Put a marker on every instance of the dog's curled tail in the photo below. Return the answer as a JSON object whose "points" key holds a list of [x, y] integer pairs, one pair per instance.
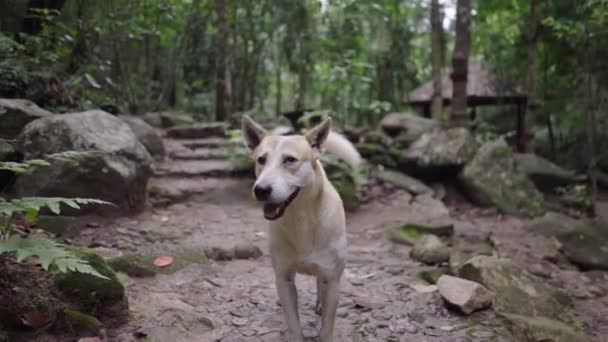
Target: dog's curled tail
{"points": [[340, 146]]}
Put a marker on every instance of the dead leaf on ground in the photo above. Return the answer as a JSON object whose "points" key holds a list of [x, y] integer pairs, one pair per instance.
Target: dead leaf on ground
{"points": [[163, 261], [36, 319], [90, 339]]}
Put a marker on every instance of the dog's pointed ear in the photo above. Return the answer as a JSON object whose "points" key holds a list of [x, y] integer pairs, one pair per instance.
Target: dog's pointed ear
{"points": [[317, 137], [252, 132]]}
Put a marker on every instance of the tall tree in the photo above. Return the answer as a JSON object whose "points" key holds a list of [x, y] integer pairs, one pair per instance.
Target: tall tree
{"points": [[527, 137], [460, 63], [223, 83], [437, 59]]}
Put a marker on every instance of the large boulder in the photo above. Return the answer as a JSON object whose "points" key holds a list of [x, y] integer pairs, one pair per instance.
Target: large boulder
{"points": [[440, 150], [114, 166], [147, 135], [403, 181], [530, 309], [404, 123], [583, 242], [537, 329], [198, 131], [16, 114], [517, 292], [545, 174], [492, 179]]}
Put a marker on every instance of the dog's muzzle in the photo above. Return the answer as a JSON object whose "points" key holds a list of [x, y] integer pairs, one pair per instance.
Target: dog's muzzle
{"points": [[273, 211]]}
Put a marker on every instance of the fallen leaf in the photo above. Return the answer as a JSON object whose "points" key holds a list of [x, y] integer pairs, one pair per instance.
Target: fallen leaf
{"points": [[90, 339], [36, 319], [424, 288], [163, 261]]}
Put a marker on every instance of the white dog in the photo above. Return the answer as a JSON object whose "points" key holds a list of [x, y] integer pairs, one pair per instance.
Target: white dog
{"points": [[307, 228]]}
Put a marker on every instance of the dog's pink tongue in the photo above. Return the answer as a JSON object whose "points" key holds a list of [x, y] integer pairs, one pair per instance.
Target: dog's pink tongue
{"points": [[271, 210]]}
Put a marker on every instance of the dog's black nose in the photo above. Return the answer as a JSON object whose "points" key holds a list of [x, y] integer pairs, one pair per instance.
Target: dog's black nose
{"points": [[262, 193]]}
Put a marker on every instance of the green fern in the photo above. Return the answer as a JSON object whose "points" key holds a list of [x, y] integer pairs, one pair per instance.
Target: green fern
{"points": [[49, 253], [23, 167], [72, 156], [32, 164], [32, 205]]}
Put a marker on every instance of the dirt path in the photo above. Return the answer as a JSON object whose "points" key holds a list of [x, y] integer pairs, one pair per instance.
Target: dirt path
{"points": [[382, 299]]}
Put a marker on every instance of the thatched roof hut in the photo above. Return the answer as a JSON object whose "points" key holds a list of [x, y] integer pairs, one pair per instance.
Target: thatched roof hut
{"points": [[484, 87]]}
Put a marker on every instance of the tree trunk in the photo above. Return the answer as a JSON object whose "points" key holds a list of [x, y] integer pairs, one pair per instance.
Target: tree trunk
{"points": [[278, 105], [223, 82], [460, 63], [527, 142], [436, 58]]}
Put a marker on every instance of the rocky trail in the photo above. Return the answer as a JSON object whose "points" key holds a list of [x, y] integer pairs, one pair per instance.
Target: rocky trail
{"points": [[220, 286], [424, 264]]}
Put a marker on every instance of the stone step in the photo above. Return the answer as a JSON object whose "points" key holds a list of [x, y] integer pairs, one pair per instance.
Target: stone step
{"points": [[168, 190], [177, 144], [194, 168], [198, 131], [201, 154]]}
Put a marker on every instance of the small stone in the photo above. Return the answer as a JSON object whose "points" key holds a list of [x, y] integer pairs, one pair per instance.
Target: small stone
{"points": [[403, 326], [239, 322], [219, 254], [430, 250], [342, 313], [467, 295], [247, 251]]}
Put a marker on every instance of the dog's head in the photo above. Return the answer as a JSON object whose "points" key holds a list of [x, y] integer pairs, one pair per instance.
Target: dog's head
{"points": [[283, 164]]}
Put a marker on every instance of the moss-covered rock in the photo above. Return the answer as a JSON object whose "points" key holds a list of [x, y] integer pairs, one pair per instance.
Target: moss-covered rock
{"points": [[583, 242], [517, 292], [88, 288], [545, 174], [403, 181], [534, 329], [491, 179], [410, 123], [443, 149], [430, 250], [146, 134], [141, 263], [344, 179], [15, 114], [378, 154]]}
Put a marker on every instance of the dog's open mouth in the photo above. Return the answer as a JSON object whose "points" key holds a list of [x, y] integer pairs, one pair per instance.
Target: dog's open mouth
{"points": [[273, 211]]}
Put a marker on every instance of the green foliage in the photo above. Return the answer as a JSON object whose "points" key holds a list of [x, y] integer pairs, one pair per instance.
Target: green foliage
{"points": [[48, 253]]}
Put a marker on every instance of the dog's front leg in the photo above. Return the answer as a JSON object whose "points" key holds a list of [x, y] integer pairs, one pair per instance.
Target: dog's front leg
{"points": [[288, 296], [329, 300]]}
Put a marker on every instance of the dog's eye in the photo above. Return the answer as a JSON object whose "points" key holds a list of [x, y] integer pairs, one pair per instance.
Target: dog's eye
{"points": [[261, 160], [289, 160]]}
